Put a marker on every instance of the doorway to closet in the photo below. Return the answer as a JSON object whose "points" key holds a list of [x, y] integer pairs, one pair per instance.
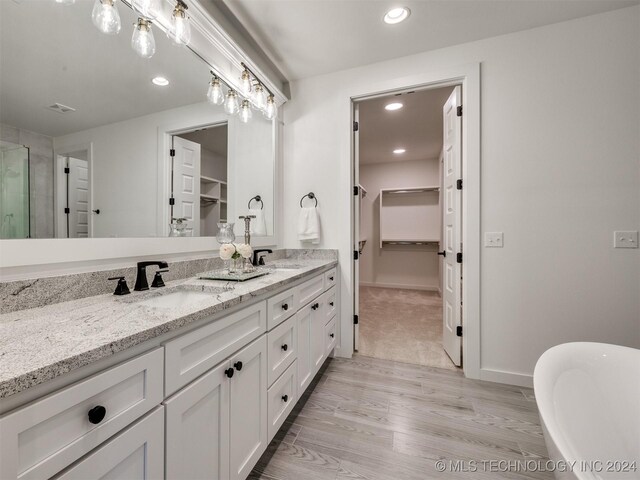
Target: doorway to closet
{"points": [[407, 149]]}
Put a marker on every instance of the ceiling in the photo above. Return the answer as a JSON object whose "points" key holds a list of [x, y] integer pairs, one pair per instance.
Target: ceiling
{"points": [[304, 38], [52, 53], [416, 127]]}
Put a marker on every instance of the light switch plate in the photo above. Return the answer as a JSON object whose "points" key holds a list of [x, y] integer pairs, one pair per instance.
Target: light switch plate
{"points": [[625, 239], [493, 239]]}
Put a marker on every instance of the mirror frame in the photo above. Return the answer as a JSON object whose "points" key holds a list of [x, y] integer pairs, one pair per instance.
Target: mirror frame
{"points": [[29, 258]]}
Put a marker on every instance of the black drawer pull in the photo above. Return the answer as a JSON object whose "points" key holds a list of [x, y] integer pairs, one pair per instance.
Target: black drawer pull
{"points": [[97, 414], [285, 398], [238, 366], [285, 347], [315, 306], [285, 307], [229, 372], [332, 335], [331, 303]]}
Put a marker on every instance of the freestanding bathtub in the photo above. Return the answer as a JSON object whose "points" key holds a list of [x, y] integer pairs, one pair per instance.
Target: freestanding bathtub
{"points": [[588, 395]]}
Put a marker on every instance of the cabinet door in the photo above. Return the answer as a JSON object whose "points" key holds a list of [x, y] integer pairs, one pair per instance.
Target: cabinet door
{"points": [[304, 318], [317, 346], [198, 428], [135, 454], [248, 408]]}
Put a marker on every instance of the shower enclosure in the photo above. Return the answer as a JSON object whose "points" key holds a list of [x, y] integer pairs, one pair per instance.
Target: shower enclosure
{"points": [[14, 191]]}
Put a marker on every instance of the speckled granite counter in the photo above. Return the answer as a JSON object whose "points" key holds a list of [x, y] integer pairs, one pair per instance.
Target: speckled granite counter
{"points": [[39, 344]]}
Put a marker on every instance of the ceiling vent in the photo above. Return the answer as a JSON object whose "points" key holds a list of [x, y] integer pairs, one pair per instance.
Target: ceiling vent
{"points": [[58, 107]]}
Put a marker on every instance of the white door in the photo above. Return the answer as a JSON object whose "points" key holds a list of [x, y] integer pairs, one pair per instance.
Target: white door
{"points": [[452, 226], [135, 454], [198, 428], [356, 224], [304, 318], [248, 406], [186, 182], [78, 198]]}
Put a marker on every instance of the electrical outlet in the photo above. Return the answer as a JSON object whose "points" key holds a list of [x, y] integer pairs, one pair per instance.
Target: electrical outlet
{"points": [[625, 239], [493, 239]]}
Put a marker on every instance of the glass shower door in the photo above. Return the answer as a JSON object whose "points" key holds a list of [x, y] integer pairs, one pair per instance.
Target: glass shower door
{"points": [[14, 191]]}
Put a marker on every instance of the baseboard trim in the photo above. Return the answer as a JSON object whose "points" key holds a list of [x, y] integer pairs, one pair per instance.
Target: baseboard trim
{"points": [[400, 286], [510, 378]]}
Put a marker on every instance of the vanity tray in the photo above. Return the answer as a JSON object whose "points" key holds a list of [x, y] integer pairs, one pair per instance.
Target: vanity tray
{"points": [[232, 277]]}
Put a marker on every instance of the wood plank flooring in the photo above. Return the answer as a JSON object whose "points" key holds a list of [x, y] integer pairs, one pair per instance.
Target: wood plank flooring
{"points": [[366, 418]]}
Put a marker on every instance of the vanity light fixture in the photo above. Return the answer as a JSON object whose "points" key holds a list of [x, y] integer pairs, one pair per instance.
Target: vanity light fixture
{"points": [[398, 151], [179, 31], [215, 95], [259, 97], [245, 112], [393, 106], [160, 81], [231, 105], [245, 80], [271, 110], [105, 17], [149, 9], [142, 40], [397, 15]]}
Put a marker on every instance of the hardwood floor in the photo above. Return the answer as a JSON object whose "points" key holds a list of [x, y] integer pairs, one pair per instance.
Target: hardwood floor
{"points": [[367, 418]]}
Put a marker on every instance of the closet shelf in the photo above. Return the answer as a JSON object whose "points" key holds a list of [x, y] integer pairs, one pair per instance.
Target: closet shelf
{"points": [[399, 191], [404, 241], [205, 179], [209, 198]]}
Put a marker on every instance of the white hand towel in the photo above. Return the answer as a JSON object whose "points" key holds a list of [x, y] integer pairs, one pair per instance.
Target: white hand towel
{"points": [[258, 225], [309, 225]]}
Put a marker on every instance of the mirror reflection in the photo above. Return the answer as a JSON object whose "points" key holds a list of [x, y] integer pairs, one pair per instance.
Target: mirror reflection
{"points": [[98, 141]]}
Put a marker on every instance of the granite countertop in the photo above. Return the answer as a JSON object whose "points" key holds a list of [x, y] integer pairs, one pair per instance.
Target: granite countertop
{"points": [[39, 344]]}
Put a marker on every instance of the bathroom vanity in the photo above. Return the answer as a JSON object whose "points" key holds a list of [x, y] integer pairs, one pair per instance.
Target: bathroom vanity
{"points": [[137, 387]]}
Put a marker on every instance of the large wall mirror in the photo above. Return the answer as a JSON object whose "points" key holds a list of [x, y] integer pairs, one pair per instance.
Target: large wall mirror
{"points": [[97, 142]]}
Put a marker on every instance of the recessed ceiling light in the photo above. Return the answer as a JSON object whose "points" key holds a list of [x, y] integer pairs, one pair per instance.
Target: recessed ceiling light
{"points": [[398, 151], [160, 81], [397, 15], [393, 106]]}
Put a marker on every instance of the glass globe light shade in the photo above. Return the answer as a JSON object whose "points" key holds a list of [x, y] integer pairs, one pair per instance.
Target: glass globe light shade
{"points": [[260, 97], [142, 40], [215, 95], [271, 110], [105, 17], [179, 31], [231, 105], [245, 112]]}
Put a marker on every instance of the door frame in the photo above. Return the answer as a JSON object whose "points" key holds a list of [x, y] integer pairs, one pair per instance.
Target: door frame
{"points": [[468, 77], [60, 186]]}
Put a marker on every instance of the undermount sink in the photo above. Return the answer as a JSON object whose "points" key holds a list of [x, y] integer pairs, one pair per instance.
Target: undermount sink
{"points": [[176, 297]]}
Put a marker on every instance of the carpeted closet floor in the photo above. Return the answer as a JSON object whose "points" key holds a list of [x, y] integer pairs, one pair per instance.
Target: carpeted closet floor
{"points": [[402, 325]]}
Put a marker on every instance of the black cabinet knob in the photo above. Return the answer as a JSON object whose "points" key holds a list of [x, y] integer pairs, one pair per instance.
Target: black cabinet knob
{"points": [[331, 303], [237, 366], [332, 335], [229, 372], [315, 306], [331, 278], [285, 307], [285, 347], [97, 414], [285, 398]]}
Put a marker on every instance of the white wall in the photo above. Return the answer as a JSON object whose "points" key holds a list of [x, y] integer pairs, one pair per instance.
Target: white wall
{"points": [[415, 267], [560, 172]]}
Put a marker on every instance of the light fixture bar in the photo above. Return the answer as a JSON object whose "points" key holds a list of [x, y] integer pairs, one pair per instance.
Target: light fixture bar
{"points": [[244, 66]]}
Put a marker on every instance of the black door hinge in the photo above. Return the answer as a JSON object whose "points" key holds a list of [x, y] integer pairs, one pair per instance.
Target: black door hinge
{"points": [[67, 210], [172, 201], [356, 190], [459, 111], [356, 126], [459, 330], [172, 152], [459, 257], [355, 320], [459, 184], [67, 170], [356, 255]]}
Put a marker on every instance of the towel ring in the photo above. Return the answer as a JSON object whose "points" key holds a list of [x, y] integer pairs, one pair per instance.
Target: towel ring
{"points": [[257, 198], [312, 196]]}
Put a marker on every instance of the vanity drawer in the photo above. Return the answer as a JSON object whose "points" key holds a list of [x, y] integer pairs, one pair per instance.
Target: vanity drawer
{"points": [[310, 289], [331, 303], [282, 348], [281, 306], [330, 278], [281, 398], [41, 439], [189, 356], [331, 335]]}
